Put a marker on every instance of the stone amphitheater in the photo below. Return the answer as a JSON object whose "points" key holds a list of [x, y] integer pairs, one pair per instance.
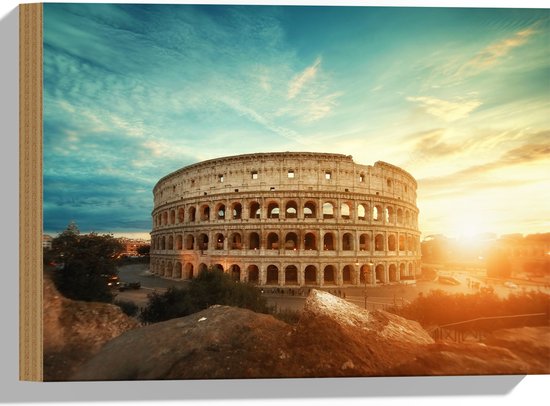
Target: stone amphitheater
{"points": [[287, 219]]}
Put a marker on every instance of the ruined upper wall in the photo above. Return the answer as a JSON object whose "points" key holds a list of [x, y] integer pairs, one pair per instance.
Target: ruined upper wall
{"points": [[285, 171]]}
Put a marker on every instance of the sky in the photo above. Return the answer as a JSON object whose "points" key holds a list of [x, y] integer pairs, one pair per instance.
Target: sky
{"points": [[458, 97]]}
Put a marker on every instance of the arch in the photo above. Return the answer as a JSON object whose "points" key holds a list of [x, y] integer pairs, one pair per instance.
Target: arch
{"points": [[190, 242], [345, 211], [235, 272], [181, 215], [328, 242], [253, 274], [218, 267], [310, 275], [237, 211], [163, 242], [203, 242], [364, 242], [202, 267], [411, 270], [272, 276], [365, 272], [236, 241], [399, 216], [291, 210], [291, 241], [409, 243], [377, 213], [310, 211], [188, 270], [179, 242], [273, 210], [380, 274], [402, 270], [401, 242], [310, 242], [391, 242], [379, 242], [164, 218], [272, 241], [205, 212], [291, 275], [192, 214], [254, 241], [389, 215], [254, 210], [329, 275], [407, 218], [172, 217], [328, 210], [220, 211], [170, 243], [168, 269], [347, 242], [347, 275], [361, 212], [178, 271], [219, 241], [392, 273]]}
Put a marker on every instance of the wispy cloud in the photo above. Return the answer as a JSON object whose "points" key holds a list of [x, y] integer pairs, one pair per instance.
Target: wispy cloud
{"points": [[303, 78], [445, 109]]}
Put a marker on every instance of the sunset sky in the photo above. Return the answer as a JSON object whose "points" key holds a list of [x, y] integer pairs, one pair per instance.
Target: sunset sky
{"points": [[460, 98]]}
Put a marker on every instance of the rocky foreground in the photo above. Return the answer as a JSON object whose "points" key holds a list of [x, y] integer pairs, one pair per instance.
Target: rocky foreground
{"points": [[332, 338]]}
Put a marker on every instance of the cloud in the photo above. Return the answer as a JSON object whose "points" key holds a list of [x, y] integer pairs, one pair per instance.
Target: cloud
{"points": [[300, 80], [446, 110]]}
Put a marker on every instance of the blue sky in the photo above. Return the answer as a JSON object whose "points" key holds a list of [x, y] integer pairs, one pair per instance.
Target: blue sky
{"points": [[460, 98]]}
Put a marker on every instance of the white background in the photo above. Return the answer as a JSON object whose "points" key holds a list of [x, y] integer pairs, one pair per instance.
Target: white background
{"points": [[501, 390]]}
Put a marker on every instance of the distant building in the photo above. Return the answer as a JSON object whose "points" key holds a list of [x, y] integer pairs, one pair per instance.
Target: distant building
{"points": [[131, 246], [47, 242], [529, 255]]}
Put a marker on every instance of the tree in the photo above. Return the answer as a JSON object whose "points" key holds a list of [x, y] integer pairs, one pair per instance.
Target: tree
{"points": [[88, 262], [144, 250]]}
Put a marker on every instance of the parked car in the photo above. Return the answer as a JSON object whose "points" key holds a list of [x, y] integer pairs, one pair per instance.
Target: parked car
{"points": [[129, 285]]}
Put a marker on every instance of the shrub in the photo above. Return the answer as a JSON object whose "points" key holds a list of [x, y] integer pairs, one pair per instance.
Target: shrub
{"points": [[129, 308]]}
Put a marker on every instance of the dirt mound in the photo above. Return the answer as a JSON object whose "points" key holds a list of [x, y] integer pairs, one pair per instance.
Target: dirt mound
{"points": [[74, 331]]}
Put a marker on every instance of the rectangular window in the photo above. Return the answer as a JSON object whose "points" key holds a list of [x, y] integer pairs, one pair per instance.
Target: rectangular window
{"points": [[361, 178], [220, 178], [254, 174], [328, 175], [291, 174]]}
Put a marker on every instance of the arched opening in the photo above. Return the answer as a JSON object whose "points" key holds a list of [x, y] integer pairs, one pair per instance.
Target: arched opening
{"points": [[273, 210], [178, 271], [328, 242], [236, 241], [407, 218], [347, 274], [218, 267], [291, 275], [391, 242], [379, 242], [253, 274], [364, 242], [168, 271], [409, 243], [181, 215], [170, 243], [347, 242], [237, 211], [345, 212], [220, 212], [291, 241], [203, 242], [192, 214], [402, 271], [205, 213], [310, 242], [329, 275], [361, 212], [219, 239], [164, 218], [189, 242], [179, 242], [411, 270], [254, 210], [254, 241], [272, 241], [291, 210], [272, 275], [380, 274], [377, 213], [365, 273], [235, 272], [163, 243], [188, 271], [392, 271], [401, 242], [390, 218], [309, 210], [328, 210], [202, 267], [310, 275], [399, 216], [172, 217]]}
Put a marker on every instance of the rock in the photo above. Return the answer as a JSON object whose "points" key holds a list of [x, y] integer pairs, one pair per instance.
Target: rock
{"points": [[74, 331]]}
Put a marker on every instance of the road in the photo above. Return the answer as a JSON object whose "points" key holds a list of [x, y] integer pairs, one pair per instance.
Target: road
{"points": [[378, 297]]}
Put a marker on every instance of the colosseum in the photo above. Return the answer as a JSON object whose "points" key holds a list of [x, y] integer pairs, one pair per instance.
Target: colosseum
{"points": [[287, 219]]}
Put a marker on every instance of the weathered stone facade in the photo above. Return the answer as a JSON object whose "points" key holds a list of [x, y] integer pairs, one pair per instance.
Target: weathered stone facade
{"points": [[287, 219]]}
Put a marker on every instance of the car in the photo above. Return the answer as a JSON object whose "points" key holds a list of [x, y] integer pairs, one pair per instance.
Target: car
{"points": [[129, 285]]}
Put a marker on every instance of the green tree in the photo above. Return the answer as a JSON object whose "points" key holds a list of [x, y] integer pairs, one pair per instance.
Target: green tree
{"points": [[88, 262]]}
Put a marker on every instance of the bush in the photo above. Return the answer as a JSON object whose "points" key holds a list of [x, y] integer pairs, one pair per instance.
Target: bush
{"points": [[129, 308], [209, 288]]}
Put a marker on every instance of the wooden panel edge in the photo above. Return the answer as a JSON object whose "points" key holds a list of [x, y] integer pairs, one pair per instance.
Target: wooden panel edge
{"points": [[30, 193]]}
